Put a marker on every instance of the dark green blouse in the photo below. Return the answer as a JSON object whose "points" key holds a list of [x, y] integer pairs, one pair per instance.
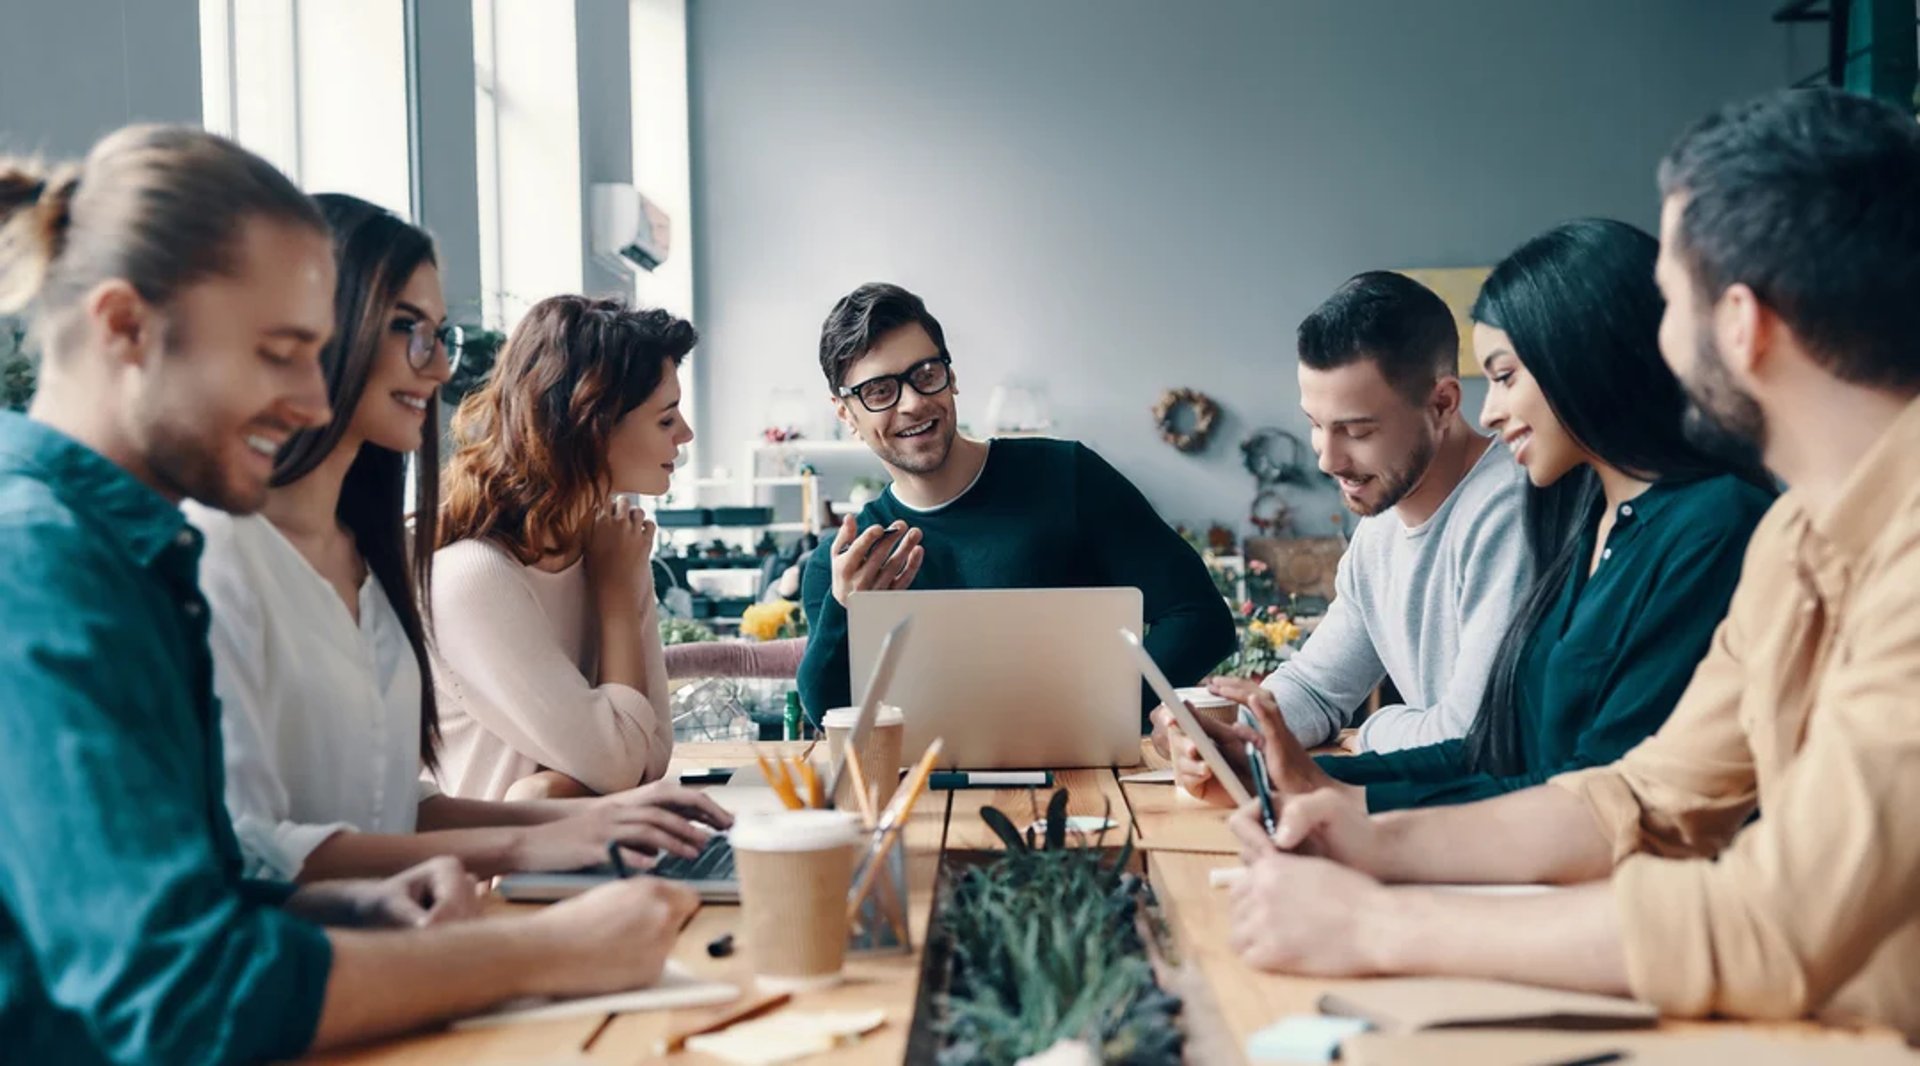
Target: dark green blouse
{"points": [[1612, 655]]}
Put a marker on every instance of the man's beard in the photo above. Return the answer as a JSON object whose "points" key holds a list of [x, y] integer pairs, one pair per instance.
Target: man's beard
{"points": [[917, 462], [1396, 481], [1720, 419], [184, 455], [194, 472]]}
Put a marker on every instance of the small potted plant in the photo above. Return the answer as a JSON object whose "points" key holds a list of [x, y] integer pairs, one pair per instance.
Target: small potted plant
{"points": [[1268, 632], [17, 376], [1046, 947]]}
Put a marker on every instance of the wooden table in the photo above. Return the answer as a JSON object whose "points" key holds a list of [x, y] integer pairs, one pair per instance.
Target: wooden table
{"points": [[1226, 1001]]}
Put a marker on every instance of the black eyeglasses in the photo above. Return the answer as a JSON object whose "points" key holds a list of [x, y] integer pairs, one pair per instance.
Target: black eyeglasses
{"points": [[421, 338], [928, 377]]}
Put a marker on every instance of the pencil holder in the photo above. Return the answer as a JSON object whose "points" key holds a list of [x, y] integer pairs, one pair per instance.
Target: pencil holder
{"points": [[881, 927]]}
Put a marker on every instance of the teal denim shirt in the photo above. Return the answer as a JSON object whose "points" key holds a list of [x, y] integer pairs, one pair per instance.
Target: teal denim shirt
{"points": [[127, 933]]}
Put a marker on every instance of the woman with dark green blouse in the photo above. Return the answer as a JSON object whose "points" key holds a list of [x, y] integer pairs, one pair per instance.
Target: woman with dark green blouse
{"points": [[1640, 533]]}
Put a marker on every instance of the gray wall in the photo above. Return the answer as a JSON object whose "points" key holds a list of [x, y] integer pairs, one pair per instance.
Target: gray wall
{"points": [[70, 70], [1117, 196]]}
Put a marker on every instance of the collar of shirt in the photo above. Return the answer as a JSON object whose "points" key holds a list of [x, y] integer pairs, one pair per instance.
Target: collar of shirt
{"points": [[148, 526], [1877, 488]]}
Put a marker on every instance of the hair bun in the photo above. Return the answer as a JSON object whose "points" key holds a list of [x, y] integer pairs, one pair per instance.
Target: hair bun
{"points": [[34, 212]]}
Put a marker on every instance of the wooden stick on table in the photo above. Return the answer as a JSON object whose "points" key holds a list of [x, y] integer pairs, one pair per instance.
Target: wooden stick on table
{"points": [[860, 793], [678, 1036]]}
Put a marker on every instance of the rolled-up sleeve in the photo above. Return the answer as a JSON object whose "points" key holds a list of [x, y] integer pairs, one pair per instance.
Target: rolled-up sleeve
{"points": [[1802, 899], [136, 926]]}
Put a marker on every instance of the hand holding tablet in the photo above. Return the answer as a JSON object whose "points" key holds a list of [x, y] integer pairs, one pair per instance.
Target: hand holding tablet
{"points": [[1183, 714]]}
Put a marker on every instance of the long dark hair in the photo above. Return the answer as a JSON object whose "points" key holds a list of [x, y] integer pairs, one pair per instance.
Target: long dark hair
{"points": [[376, 253], [531, 466], [1581, 308]]}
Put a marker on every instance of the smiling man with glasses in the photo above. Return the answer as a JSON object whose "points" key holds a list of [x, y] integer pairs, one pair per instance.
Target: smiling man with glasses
{"points": [[964, 513]]}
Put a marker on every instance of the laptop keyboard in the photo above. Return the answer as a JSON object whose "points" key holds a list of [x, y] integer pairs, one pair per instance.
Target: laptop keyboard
{"points": [[714, 863]]}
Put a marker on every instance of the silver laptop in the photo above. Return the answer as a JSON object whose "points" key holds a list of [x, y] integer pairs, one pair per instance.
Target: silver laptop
{"points": [[1012, 678]]}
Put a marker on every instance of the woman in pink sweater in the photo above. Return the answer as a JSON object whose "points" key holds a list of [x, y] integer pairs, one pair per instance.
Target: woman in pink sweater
{"points": [[549, 668]]}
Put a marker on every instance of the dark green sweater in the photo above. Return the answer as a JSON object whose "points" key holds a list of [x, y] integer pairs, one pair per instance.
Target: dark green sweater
{"points": [[1043, 514], [1612, 655]]}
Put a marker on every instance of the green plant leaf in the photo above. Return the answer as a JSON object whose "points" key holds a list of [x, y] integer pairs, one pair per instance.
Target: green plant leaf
{"points": [[1057, 820], [1002, 827]]}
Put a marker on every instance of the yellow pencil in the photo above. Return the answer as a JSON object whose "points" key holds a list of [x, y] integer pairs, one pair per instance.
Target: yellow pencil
{"points": [[778, 782], [862, 797], [812, 782]]}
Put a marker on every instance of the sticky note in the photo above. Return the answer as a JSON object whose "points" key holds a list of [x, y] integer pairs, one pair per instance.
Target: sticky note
{"points": [[1302, 1038]]}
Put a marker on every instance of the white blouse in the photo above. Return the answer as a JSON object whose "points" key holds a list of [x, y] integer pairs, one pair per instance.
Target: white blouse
{"points": [[320, 715]]}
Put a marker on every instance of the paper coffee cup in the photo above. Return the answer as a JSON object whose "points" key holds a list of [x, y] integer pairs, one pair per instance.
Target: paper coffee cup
{"points": [[795, 869], [879, 757], [1207, 705]]}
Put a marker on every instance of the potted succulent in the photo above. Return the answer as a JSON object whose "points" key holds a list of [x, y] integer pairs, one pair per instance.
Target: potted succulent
{"points": [[1044, 945], [17, 376]]}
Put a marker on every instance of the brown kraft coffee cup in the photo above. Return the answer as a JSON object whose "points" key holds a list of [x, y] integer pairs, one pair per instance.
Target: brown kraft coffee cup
{"points": [[879, 757], [795, 868]]}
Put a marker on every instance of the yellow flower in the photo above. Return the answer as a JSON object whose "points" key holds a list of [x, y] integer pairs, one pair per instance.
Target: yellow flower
{"points": [[765, 621], [1278, 632]]}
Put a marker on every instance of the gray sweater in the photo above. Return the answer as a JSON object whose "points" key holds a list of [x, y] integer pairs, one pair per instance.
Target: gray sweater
{"points": [[1426, 606]]}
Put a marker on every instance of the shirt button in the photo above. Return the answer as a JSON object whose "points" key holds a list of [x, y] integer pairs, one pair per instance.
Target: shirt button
{"points": [[1606, 553], [1626, 510], [183, 538], [193, 609]]}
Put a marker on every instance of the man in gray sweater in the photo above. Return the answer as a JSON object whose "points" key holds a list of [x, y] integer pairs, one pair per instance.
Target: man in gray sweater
{"points": [[1439, 560]]}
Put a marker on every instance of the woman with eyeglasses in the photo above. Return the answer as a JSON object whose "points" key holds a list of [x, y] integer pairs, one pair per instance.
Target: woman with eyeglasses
{"points": [[320, 645], [550, 661]]}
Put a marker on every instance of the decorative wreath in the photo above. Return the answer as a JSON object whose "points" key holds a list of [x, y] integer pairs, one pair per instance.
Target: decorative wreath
{"points": [[1269, 513], [1203, 411], [1274, 457]]}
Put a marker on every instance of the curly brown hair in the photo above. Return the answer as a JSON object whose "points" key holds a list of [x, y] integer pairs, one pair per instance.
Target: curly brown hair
{"points": [[532, 468]]}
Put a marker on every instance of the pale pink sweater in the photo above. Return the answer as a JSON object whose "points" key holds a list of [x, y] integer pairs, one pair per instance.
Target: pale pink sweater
{"points": [[516, 668]]}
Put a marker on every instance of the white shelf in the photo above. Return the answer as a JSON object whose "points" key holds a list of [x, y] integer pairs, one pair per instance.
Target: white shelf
{"points": [[776, 527], [805, 444], [731, 482]]}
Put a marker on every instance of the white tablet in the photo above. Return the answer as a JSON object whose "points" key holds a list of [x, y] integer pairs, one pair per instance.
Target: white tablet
{"points": [[1222, 769]]}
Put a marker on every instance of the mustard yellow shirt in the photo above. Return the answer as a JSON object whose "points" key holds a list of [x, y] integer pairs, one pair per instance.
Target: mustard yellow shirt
{"points": [[1806, 707]]}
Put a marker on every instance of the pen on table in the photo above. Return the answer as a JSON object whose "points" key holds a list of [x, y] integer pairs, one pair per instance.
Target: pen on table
{"points": [[718, 775], [1262, 788], [1594, 1060], [951, 779]]}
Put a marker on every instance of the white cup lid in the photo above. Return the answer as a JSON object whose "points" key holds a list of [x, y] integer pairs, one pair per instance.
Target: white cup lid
{"points": [[794, 831], [844, 717], [1200, 697]]}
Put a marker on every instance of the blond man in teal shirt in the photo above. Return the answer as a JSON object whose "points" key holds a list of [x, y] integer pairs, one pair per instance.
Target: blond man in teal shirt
{"points": [[182, 288]]}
